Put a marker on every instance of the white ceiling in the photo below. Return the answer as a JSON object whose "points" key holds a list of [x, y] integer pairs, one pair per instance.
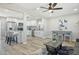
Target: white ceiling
{"points": [[30, 9]]}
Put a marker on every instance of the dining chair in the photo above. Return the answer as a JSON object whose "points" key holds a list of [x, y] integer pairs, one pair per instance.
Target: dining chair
{"points": [[51, 50]]}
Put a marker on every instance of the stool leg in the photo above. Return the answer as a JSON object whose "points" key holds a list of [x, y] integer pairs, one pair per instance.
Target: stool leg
{"points": [[16, 40], [7, 40], [10, 40]]}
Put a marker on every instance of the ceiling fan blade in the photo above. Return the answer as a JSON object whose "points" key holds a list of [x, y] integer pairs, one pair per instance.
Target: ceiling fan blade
{"points": [[44, 7], [57, 8], [45, 11], [50, 4], [54, 4]]}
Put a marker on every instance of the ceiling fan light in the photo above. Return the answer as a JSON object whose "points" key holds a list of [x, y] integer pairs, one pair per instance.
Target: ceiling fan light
{"points": [[50, 11]]}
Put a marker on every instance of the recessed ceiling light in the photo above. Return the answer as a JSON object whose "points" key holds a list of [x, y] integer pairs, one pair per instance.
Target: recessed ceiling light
{"points": [[37, 8], [75, 9]]}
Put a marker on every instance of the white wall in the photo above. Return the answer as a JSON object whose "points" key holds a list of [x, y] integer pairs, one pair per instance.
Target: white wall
{"points": [[0, 35], [73, 25]]}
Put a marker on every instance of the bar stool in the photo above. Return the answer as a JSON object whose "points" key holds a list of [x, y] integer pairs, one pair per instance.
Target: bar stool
{"points": [[9, 37]]}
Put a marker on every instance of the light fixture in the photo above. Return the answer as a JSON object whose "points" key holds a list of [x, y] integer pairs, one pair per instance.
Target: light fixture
{"points": [[75, 9], [37, 8], [50, 11]]}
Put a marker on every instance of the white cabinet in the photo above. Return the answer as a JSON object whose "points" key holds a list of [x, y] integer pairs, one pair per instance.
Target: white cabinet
{"points": [[39, 34], [29, 33], [64, 35]]}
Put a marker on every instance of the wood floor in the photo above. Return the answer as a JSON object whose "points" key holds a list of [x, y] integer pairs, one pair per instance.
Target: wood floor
{"points": [[34, 46]]}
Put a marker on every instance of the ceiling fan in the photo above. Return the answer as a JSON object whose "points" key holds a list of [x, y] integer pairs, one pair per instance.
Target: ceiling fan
{"points": [[51, 7]]}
